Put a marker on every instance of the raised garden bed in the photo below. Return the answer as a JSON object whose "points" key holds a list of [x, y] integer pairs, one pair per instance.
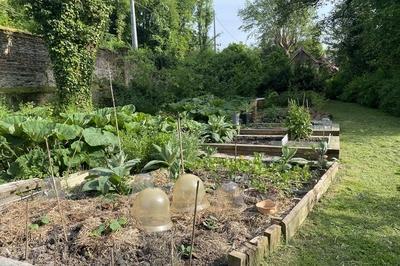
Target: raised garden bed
{"points": [[276, 140], [279, 129], [306, 152], [257, 249], [223, 228]]}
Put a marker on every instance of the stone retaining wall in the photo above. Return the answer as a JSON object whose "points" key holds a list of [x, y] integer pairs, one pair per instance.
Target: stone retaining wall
{"points": [[26, 71]]}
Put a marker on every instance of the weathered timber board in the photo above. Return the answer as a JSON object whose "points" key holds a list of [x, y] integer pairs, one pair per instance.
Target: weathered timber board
{"points": [[251, 252], [271, 150], [334, 131], [14, 188], [292, 222]]}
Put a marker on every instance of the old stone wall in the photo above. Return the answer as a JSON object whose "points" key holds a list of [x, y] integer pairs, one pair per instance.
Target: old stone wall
{"points": [[26, 72]]}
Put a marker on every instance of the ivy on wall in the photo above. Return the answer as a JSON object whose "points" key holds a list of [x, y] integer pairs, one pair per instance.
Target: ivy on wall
{"points": [[72, 30]]}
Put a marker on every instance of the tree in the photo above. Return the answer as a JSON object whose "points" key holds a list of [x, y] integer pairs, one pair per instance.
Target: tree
{"points": [[264, 19], [366, 37], [203, 17], [14, 14], [166, 27], [72, 30]]}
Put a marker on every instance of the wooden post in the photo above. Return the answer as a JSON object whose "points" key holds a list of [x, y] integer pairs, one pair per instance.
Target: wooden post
{"points": [[194, 223]]}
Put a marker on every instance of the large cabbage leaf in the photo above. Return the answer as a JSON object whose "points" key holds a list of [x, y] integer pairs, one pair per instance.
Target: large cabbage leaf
{"points": [[38, 130], [13, 124], [97, 137], [79, 119], [67, 132]]}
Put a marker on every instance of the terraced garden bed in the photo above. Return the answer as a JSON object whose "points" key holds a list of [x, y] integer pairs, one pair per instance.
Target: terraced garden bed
{"points": [[223, 228]]}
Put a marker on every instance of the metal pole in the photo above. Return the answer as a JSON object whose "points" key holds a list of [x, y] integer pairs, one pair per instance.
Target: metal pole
{"points": [[133, 26], [215, 34]]}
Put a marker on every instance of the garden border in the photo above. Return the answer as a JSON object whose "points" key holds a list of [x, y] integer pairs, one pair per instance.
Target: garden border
{"points": [[271, 150], [253, 252], [334, 131], [19, 190]]}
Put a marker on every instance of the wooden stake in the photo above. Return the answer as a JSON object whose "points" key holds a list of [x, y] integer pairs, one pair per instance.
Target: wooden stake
{"points": [[115, 109], [194, 224], [112, 255], [172, 251], [26, 228], [56, 191], [181, 145]]}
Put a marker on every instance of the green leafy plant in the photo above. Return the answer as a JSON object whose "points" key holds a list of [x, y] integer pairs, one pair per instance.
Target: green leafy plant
{"points": [[255, 173], [298, 121], [109, 227], [287, 154], [211, 223], [218, 130], [113, 178], [42, 221], [184, 250], [167, 157], [320, 150]]}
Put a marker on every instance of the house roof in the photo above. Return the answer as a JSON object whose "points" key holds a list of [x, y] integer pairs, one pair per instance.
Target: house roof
{"points": [[322, 61]]}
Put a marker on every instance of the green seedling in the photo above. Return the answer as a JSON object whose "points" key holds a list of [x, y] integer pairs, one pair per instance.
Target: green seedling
{"points": [[112, 226], [184, 250], [211, 223], [42, 221]]}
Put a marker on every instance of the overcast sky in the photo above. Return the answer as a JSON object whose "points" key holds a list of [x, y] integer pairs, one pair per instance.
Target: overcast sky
{"points": [[228, 21]]}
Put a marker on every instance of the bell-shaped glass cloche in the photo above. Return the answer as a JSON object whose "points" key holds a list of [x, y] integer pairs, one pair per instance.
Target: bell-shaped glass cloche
{"points": [[141, 182], [184, 195], [151, 210], [232, 194]]}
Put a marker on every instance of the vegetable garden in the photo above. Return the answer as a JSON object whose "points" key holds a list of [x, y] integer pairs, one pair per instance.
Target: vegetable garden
{"points": [[100, 168], [180, 152]]}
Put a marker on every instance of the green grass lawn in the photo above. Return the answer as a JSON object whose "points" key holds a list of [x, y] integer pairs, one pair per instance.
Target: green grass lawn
{"points": [[358, 221]]}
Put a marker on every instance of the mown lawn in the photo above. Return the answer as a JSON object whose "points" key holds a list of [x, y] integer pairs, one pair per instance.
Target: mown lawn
{"points": [[358, 220]]}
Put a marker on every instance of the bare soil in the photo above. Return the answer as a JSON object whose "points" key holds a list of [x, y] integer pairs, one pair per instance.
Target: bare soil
{"points": [[130, 245]]}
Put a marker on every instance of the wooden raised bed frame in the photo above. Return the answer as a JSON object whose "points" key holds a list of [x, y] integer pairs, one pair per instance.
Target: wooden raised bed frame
{"points": [[335, 131], [251, 253], [271, 150], [257, 249]]}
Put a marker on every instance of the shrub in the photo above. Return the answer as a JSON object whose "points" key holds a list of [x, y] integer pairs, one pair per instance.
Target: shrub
{"points": [[298, 121], [274, 114], [276, 73], [309, 98], [389, 95]]}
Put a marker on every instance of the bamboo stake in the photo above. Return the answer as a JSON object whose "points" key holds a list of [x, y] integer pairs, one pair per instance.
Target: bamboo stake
{"points": [[181, 145], [112, 255], [115, 109], [194, 224], [26, 228], [172, 250], [56, 191]]}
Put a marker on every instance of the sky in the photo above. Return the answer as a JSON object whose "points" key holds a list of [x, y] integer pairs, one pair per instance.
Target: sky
{"points": [[228, 22]]}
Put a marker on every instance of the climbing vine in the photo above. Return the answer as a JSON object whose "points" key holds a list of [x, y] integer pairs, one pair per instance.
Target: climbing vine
{"points": [[72, 30]]}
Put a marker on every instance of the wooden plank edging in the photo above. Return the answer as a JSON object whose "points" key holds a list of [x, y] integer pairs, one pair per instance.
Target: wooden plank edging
{"points": [[21, 186], [275, 150], [254, 251], [10, 262], [292, 221]]}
